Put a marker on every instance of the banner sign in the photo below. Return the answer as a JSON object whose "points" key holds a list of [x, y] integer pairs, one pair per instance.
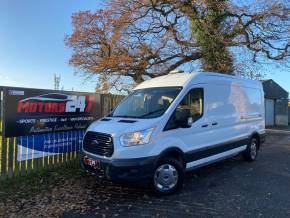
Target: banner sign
{"points": [[36, 111], [30, 147]]}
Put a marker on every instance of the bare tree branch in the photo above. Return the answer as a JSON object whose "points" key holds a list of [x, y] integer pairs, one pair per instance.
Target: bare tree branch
{"points": [[131, 40]]}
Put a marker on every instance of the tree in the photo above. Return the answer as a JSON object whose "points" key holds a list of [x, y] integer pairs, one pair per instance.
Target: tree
{"points": [[129, 41], [209, 33]]}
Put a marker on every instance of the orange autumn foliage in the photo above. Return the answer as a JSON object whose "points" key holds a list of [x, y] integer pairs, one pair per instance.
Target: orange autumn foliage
{"points": [[129, 41]]}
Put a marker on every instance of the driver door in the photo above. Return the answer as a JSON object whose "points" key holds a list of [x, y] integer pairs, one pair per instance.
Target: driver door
{"points": [[198, 135]]}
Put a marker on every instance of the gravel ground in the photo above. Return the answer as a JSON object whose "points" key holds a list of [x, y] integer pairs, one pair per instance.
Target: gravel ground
{"points": [[231, 188]]}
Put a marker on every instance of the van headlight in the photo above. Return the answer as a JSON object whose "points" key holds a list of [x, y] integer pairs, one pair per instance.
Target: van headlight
{"points": [[136, 138]]}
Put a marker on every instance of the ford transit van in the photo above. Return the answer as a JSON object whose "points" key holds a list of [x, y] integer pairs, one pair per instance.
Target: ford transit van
{"points": [[175, 123]]}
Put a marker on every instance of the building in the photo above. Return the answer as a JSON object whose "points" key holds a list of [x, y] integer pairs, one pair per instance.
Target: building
{"points": [[276, 104]]}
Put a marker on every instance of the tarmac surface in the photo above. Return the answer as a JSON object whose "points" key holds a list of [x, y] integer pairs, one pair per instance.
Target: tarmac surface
{"points": [[231, 188]]}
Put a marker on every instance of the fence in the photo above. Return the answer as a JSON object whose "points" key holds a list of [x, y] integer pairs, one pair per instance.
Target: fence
{"points": [[10, 166]]}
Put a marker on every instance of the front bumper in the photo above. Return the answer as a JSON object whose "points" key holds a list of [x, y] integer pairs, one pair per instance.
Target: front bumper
{"points": [[121, 170]]}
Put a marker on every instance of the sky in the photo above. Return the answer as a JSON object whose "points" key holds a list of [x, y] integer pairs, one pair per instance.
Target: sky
{"points": [[32, 45]]}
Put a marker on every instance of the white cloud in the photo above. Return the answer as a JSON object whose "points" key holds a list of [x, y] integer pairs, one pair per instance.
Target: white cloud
{"points": [[7, 81]]}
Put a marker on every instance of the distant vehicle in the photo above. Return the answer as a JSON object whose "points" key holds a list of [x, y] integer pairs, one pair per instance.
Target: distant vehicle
{"points": [[53, 97], [173, 124]]}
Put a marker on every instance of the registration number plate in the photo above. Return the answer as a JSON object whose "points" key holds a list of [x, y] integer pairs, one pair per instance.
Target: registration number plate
{"points": [[93, 163]]}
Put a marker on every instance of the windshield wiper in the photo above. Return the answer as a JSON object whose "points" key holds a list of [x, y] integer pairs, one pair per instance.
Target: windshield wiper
{"points": [[142, 116], [152, 112]]}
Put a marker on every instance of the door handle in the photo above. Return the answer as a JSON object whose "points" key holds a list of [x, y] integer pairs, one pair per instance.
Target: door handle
{"points": [[214, 123], [204, 125]]}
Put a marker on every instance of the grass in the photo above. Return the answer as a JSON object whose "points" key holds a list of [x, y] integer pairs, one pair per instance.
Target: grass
{"points": [[24, 187]]}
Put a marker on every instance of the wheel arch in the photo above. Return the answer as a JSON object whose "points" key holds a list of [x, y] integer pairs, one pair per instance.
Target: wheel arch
{"points": [[173, 152], [257, 136]]}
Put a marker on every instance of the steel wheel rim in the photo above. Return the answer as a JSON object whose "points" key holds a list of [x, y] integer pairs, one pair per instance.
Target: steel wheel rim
{"points": [[253, 151], [165, 177]]}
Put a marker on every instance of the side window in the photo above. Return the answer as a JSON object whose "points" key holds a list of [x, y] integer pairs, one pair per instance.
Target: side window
{"points": [[192, 101]]}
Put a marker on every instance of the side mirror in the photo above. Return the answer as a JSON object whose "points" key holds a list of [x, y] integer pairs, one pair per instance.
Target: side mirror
{"points": [[183, 118]]}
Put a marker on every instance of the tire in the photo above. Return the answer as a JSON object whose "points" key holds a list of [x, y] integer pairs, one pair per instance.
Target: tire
{"points": [[168, 176], [251, 153]]}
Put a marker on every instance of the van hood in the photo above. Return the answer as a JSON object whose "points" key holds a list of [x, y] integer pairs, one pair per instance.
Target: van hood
{"points": [[117, 126]]}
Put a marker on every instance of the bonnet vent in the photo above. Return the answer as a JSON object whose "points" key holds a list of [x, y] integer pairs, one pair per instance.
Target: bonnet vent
{"points": [[127, 121]]}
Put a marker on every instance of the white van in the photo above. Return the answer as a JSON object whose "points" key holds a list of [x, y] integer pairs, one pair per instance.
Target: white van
{"points": [[175, 123]]}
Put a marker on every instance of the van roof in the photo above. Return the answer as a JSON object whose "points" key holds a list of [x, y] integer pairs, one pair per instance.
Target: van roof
{"points": [[177, 79], [182, 79]]}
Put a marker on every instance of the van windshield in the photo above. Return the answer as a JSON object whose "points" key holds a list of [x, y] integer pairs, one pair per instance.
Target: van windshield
{"points": [[146, 103]]}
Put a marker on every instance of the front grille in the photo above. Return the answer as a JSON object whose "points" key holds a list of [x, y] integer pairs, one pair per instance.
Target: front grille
{"points": [[98, 143]]}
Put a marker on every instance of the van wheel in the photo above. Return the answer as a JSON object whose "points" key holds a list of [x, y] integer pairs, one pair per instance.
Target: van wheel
{"points": [[168, 176], [250, 154]]}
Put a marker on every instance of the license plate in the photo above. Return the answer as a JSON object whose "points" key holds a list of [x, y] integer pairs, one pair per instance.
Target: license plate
{"points": [[93, 163]]}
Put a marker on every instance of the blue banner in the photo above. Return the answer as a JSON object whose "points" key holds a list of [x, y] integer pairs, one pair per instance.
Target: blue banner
{"points": [[35, 146]]}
